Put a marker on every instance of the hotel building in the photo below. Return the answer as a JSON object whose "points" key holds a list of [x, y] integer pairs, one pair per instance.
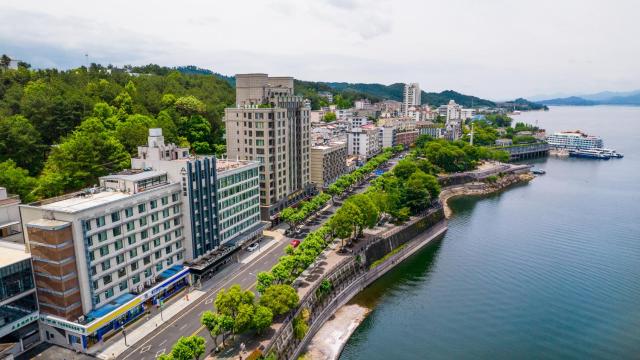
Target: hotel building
{"points": [[102, 255]]}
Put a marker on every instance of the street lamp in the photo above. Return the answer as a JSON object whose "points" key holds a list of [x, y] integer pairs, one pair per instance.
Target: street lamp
{"points": [[124, 333]]}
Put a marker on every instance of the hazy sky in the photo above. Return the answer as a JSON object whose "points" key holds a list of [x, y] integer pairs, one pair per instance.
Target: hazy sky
{"points": [[496, 49]]}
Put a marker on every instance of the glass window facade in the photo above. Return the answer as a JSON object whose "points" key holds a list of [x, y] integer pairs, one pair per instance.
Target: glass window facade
{"points": [[15, 279]]}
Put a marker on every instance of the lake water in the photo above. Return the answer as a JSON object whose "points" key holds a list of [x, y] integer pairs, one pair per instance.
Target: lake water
{"points": [[546, 270]]}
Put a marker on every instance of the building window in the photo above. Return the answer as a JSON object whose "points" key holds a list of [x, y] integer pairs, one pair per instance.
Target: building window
{"points": [[123, 285], [165, 200], [131, 239], [122, 272], [115, 216], [104, 250], [131, 226], [154, 204], [141, 208], [144, 234], [143, 221], [128, 212], [102, 236], [145, 247], [136, 278], [117, 231], [108, 293], [133, 253], [106, 279], [106, 265], [118, 244], [120, 259], [159, 267], [175, 197], [134, 266], [156, 242], [100, 221]]}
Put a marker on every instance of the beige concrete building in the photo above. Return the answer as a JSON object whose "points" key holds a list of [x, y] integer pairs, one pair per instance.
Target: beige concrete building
{"points": [[271, 125], [328, 162]]}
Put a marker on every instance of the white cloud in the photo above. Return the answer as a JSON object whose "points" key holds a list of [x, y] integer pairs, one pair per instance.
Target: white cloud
{"points": [[494, 48]]}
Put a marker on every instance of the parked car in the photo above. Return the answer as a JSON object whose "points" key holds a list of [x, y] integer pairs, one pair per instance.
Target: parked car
{"points": [[253, 247], [295, 243]]}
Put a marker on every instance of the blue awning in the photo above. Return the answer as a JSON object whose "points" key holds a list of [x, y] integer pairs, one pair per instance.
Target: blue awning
{"points": [[170, 272], [110, 306]]}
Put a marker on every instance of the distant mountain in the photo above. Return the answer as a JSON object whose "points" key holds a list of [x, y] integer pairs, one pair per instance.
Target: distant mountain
{"points": [[569, 101], [395, 92], [601, 98], [522, 105]]}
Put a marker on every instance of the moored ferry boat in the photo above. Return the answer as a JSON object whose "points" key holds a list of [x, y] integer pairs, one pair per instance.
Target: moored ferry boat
{"points": [[589, 154]]}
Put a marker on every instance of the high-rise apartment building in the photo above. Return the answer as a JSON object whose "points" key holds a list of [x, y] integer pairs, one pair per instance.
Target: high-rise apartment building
{"points": [[412, 97], [271, 125]]}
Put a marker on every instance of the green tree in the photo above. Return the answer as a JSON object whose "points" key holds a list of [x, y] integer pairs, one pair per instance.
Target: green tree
{"points": [[189, 105], [262, 318], [133, 132], [209, 320], [188, 348], [244, 318], [329, 117], [280, 298], [264, 280], [418, 196], [228, 301], [88, 153], [5, 61], [20, 142], [404, 169], [17, 181]]}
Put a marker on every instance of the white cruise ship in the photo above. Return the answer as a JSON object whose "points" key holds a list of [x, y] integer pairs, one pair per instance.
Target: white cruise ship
{"points": [[574, 140]]}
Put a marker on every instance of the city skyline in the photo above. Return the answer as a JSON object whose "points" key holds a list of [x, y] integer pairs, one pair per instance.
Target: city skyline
{"points": [[491, 50]]}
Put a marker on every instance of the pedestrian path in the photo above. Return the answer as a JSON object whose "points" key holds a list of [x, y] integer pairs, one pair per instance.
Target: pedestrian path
{"points": [[113, 350]]}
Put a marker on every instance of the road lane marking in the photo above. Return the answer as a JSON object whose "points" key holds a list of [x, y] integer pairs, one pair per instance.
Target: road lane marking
{"points": [[202, 327], [199, 301]]}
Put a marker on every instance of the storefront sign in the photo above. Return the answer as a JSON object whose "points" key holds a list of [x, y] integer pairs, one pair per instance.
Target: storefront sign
{"points": [[63, 324], [24, 321], [113, 315]]}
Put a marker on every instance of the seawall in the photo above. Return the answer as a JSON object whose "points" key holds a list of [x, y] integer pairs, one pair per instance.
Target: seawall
{"points": [[352, 275]]}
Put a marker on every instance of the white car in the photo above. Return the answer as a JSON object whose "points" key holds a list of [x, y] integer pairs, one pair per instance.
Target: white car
{"points": [[253, 247]]}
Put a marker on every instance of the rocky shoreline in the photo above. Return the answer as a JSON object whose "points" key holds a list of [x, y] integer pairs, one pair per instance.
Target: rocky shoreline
{"points": [[480, 188]]}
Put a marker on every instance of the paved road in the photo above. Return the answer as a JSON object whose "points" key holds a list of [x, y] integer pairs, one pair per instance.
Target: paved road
{"points": [[187, 322]]}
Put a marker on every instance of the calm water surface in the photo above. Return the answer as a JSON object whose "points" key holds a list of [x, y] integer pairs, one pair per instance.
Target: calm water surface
{"points": [[547, 270]]}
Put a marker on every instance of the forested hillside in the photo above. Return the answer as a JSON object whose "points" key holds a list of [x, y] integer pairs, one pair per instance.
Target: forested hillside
{"points": [[60, 130]]}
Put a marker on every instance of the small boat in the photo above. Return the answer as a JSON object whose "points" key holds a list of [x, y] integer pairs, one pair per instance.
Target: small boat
{"points": [[538, 171], [612, 153]]}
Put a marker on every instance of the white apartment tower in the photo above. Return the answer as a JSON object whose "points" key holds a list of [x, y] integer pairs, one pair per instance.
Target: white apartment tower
{"points": [[412, 97]]}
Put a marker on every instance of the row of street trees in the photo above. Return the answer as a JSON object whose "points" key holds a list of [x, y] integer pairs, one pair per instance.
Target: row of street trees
{"points": [[238, 312]]}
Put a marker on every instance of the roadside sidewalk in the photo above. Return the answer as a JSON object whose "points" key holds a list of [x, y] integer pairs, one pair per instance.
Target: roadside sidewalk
{"points": [[137, 334]]}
